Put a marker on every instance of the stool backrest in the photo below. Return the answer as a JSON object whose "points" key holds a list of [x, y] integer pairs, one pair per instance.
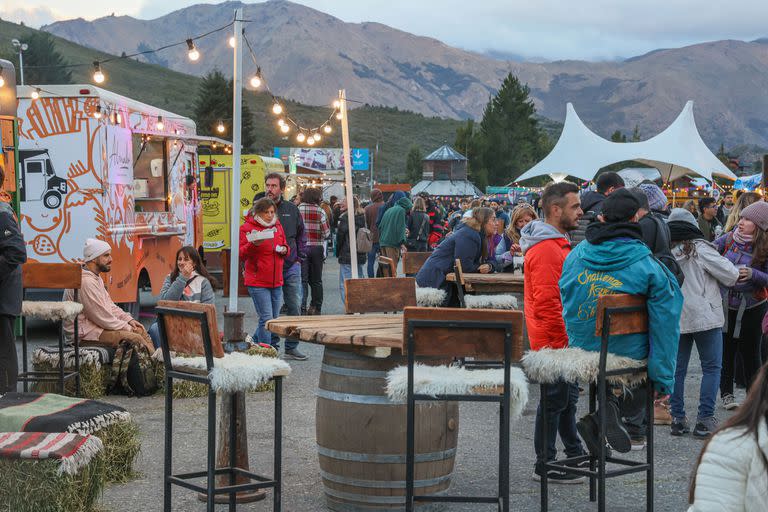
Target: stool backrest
{"points": [[479, 333], [628, 315], [387, 267], [379, 295], [188, 328], [51, 276], [413, 261]]}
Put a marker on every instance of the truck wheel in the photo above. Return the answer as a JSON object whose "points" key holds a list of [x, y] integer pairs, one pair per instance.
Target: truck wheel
{"points": [[52, 200]]}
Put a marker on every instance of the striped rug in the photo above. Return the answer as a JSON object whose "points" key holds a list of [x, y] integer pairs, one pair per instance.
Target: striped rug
{"points": [[72, 451]]}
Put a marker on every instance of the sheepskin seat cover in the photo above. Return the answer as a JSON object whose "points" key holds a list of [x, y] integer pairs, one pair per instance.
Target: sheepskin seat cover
{"points": [[454, 380], [54, 311], [505, 301], [235, 371], [573, 364], [430, 297]]}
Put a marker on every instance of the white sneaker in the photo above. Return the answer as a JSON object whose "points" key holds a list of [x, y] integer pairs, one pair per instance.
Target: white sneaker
{"points": [[729, 402]]}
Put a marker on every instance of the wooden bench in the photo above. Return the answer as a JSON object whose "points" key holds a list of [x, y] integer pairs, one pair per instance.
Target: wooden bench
{"points": [[379, 295], [413, 261]]}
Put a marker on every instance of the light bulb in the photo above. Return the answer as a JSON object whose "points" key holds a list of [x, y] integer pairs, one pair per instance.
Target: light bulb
{"points": [[285, 128], [98, 75], [97, 112], [311, 141], [193, 53], [277, 108], [280, 122], [255, 81], [159, 125], [220, 127], [35, 94], [232, 41], [336, 104], [339, 116], [301, 137], [2, 80], [327, 128], [316, 136], [118, 118]]}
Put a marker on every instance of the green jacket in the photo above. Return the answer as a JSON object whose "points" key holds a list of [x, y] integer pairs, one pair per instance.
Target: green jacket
{"points": [[392, 226]]}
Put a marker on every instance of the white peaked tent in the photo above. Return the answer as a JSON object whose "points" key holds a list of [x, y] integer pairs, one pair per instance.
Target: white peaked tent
{"points": [[675, 152]]}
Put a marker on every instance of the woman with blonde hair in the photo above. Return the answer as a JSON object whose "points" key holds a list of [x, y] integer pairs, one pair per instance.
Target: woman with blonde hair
{"points": [[418, 226], [744, 200], [510, 240]]}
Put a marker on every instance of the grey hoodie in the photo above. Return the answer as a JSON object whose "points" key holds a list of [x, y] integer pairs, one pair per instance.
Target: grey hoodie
{"points": [[537, 231]]}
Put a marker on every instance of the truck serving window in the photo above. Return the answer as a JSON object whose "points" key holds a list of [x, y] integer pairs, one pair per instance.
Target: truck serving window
{"points": [[150, 175]]}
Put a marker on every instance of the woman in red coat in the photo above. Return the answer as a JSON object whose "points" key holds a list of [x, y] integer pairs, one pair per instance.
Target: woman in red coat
{"points": [[263, 249]]}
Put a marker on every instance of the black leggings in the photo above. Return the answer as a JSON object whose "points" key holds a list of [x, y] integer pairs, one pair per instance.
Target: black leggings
{"points": [[9, 364], [748, 346], [312, 277]]}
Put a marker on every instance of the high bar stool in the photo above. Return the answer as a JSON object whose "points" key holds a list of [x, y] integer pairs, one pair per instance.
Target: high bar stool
{"points": [[189, 329], [616, 315]]}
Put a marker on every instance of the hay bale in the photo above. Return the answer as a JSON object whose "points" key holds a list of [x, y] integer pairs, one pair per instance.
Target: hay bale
{"points": [[93, 380], [121, 447], [36, 486]]}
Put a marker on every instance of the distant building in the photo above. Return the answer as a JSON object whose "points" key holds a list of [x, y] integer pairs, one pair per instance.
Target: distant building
{"points": [[445, 174]]}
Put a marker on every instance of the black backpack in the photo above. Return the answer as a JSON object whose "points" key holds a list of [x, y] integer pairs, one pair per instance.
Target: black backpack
{"points": [[661, 248]]}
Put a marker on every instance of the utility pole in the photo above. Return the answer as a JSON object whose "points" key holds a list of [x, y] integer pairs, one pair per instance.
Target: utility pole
{"points": [[21, 47], [237, 108], [348, 181]]}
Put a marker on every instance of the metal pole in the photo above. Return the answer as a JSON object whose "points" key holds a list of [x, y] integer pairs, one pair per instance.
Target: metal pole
{"points": [[21, 65], [348, 182], [234, 226]]}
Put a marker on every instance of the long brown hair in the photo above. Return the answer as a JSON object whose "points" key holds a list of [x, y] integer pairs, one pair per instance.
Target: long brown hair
{"points": [[744, 200], [524, 209], [480, 217], [194, 256], [759, 248], [749, 416]]}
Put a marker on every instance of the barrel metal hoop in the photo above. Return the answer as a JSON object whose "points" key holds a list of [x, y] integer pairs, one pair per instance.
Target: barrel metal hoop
{"points": [[383, 484], [352, 372], [357, 399], [382, 458], [367, 498]]}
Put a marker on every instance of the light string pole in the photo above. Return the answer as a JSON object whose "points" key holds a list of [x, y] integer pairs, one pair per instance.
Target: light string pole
{"points": [[237, 107], [348, 181]]}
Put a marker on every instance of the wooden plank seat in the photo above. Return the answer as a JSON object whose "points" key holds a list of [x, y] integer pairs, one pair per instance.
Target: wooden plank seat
{"points": [[379, 295], [500, 301]]}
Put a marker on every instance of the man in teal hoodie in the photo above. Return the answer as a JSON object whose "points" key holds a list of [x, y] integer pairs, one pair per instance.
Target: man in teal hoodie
{"points": [[392, 229], [615, 260]]}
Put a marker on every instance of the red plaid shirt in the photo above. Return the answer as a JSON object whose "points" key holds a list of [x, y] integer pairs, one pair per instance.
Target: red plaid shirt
{"points": [[315, 223]]}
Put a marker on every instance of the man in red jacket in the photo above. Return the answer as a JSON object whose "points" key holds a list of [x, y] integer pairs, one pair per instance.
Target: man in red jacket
{"points": [[545, 245]]}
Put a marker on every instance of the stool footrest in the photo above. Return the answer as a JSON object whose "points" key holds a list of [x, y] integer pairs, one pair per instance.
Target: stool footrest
{"points": [[457, 499], [262, 482], [458, 398], [45, 376], [631, 466]]}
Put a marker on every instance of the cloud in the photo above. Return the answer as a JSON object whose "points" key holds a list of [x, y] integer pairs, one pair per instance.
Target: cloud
{"points": [[30, 16]]}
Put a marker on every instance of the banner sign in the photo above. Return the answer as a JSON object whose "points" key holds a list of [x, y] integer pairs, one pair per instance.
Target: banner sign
{"points": [[323, 159]]}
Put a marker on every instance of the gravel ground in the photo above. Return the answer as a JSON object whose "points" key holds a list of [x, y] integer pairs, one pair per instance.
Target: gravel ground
{"points": [[475, 471]]}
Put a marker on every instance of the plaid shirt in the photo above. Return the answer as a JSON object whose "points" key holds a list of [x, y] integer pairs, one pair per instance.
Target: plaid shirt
{"points": [[315, 223]]}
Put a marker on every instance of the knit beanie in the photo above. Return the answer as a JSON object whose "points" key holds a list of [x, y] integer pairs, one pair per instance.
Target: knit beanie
{"points": [[682, 215], [757, 213], [656, 198], [95, 248], [620, 206]]}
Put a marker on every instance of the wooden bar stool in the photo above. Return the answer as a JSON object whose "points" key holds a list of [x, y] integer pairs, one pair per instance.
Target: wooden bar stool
{"points": [[387, 267], [51, 276], [456, 333], [616, 315], [189, 329], [413, 261], [500, 301], [369, 296]]}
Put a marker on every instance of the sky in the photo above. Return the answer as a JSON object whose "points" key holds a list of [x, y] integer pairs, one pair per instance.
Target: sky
{"points": [[542, 29]]}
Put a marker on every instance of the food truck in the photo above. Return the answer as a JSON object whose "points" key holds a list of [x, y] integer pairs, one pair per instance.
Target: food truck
{"points": [[8, 132], [95, 164]]}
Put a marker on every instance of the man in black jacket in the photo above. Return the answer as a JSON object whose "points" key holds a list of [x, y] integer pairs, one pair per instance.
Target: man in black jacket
{"points": [[293, 226], [592, 203], [12, 255]]}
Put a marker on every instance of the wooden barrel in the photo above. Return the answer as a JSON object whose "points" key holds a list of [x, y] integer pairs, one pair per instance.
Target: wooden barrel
{"points": [[361, 436]]}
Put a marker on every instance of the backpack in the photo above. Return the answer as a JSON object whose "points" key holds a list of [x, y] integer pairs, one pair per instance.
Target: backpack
{"points": [[133, 372], [661, 249]]}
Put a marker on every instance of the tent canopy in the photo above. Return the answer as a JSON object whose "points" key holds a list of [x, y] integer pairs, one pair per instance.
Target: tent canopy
{"points": [[675, 152]]}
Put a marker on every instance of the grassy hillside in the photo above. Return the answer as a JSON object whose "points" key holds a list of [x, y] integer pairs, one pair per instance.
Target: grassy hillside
{"points": [[394, 130]]}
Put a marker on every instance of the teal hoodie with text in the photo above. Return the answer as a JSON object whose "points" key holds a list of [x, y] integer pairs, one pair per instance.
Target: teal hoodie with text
{"points": [[623, 265]]}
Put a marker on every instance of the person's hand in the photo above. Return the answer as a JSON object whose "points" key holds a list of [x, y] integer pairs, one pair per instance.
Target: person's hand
{"points": [[407, 232], [136, 327], [514, 248], [281, 249], [186, 268], [745, 274], [403, 249], [485, 268]]}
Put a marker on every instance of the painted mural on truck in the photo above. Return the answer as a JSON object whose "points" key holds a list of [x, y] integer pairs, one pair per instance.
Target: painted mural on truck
{"points": [[97, 166]]}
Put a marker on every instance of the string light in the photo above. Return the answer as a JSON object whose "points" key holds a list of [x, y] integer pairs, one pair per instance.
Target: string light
{"points": [[301, 137], [97, 113], [232, 41], [220, 127], [194, 54], [256, 79], [35, 94], [339, 116], [327, 128], [280, 122], [277, 109], [285, 128], [98, 75], [159, 125], [118, 118], [336, 104], [311, 141], [2, 80], [316, 136]]}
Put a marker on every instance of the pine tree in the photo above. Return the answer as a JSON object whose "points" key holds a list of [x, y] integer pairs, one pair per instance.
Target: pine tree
{"points": [[214, 104], [413, 165], [509, 141], [43, 64]]}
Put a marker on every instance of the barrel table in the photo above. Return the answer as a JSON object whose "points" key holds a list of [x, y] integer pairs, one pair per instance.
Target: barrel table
{"points": [[360, 432]]}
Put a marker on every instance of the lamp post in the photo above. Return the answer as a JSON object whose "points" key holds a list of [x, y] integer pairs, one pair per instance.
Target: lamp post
{"points": [[21, 47]]}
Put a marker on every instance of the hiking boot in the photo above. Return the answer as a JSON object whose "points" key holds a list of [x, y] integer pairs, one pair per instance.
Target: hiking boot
{"points": [[313, 311], [729, 402], [679, 427], [293, 353], [705, 427], [638, 443], [558, 476], [661, 414]]}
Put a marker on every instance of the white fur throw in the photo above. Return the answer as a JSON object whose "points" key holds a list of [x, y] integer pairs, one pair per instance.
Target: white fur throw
{"points": [[490, 301], [236, 371], [430, 297], [53, 311], [452, 380], [577, 365]]}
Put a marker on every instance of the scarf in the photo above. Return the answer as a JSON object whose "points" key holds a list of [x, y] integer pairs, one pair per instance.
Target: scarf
{"points": [[264, 223], [680, 230], [741, 238], [599, 232]]}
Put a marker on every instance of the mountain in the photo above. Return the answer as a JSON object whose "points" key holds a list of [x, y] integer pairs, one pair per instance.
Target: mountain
{"points": [[308, 55]]}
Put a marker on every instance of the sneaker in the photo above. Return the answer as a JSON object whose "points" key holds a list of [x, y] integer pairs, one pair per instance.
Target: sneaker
{"points": [[293, 353], [558, 476], [661, 414], [729, 402], [615, 432], [637, 443], [588, 430], [679, 427], [705, 427]]}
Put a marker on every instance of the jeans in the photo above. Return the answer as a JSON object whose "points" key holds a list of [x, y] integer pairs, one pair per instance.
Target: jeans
{"points": [[709, 344], [372, 256], [747, 345], [562, 398], [312, 277], [632, 408], [292, 297], [154, 334], [345, 272], [267, 302]]}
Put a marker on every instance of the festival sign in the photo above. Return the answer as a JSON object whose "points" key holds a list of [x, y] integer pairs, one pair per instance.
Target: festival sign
{"points": [[324, 159]]}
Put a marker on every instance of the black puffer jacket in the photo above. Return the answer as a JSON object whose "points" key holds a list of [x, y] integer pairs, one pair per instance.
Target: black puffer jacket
{"points": [[591, 205], [13, 254], [342, 239]]}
